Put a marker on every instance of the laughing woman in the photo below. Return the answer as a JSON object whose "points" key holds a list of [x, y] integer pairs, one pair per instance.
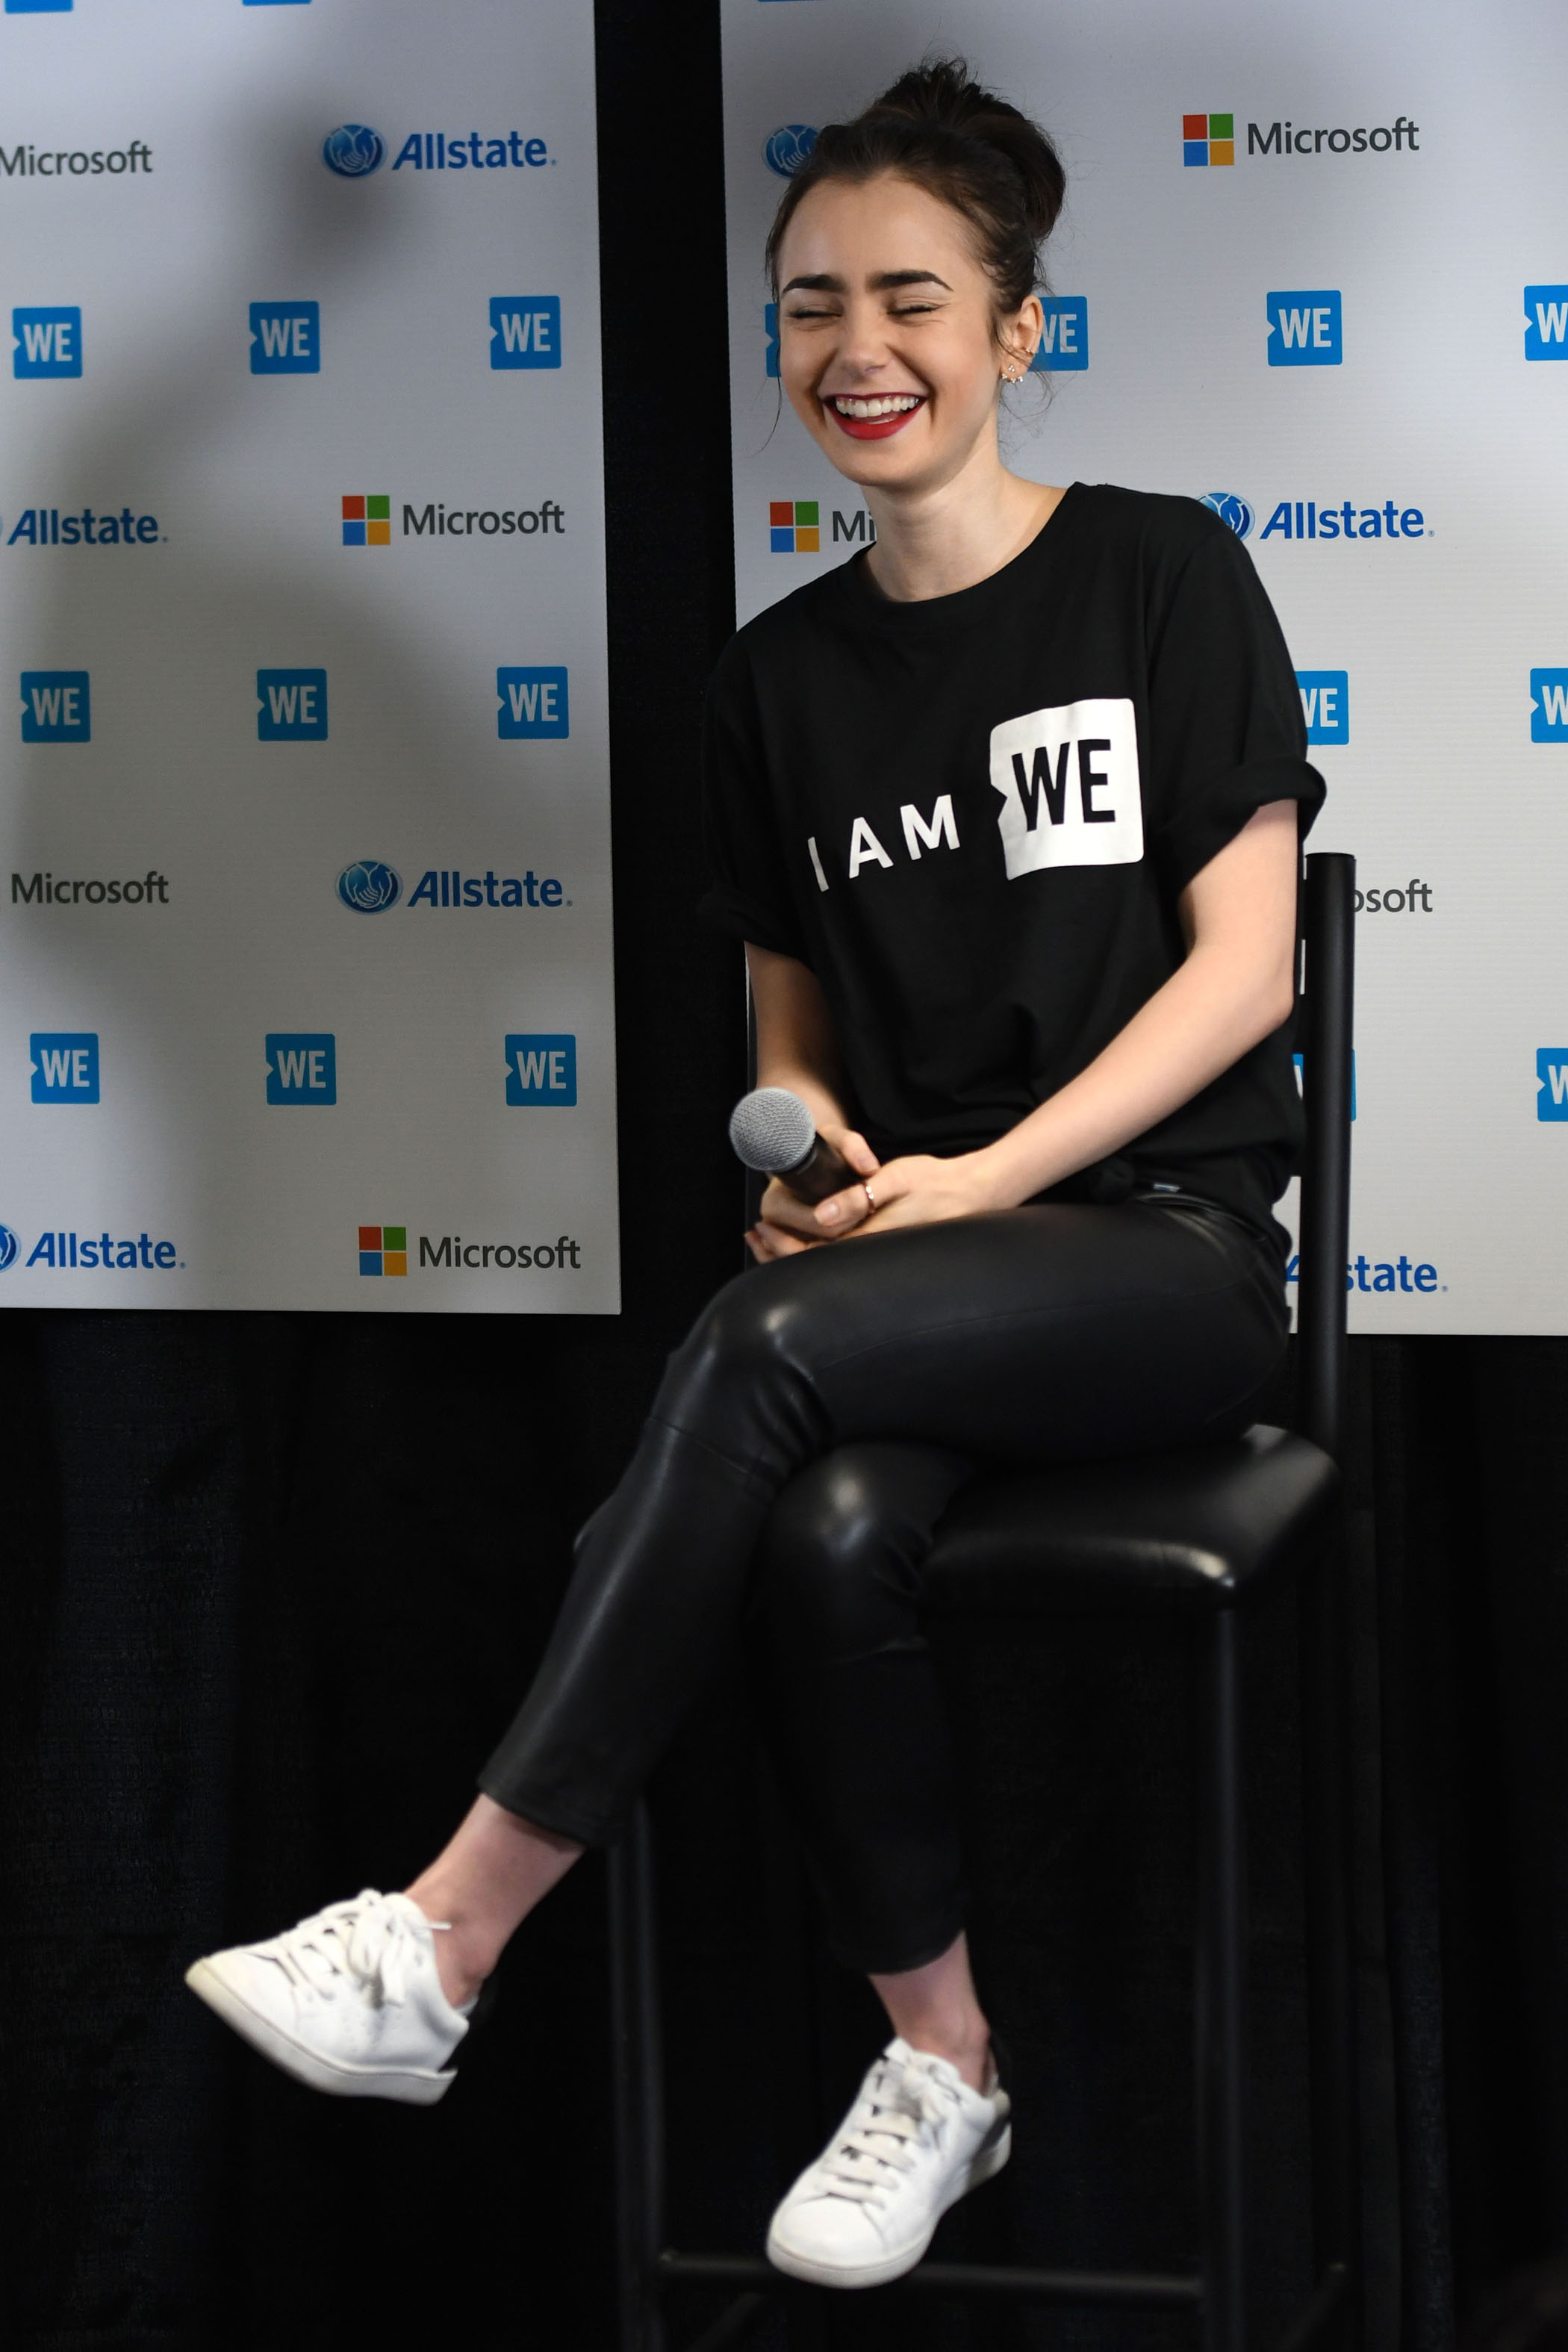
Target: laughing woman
{"points": [[1007, 811]]}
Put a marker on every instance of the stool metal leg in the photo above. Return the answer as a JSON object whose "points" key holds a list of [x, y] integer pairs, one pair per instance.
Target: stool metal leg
{"points": [[1331, 1986], [638, 2085], [1221, 1985]]}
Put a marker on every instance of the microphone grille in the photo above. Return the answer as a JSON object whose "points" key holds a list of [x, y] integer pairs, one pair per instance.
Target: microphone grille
{"points": [[771, 1130]]}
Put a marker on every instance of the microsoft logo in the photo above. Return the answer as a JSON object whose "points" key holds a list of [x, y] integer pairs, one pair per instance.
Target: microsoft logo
{"points": [[367, 522], [1209, 138], [794, 527], [384, 1249]]}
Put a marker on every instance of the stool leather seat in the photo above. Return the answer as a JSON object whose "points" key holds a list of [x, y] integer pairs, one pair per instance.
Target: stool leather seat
{"points": [[1189, 1529]]}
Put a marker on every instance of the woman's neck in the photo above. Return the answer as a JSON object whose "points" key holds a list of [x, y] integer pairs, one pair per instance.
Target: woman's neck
{"points": [[934, 542]]}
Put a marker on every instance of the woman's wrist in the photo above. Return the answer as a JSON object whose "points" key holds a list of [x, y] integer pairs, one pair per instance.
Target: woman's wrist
{"points": [[1000, 1181]]}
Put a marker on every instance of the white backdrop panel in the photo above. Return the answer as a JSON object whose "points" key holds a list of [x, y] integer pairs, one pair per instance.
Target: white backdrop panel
{"points": [[1425, 191], [346, 686]]}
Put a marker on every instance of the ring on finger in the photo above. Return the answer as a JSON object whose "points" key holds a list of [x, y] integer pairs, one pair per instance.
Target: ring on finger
{"points": [[870, 1197]]}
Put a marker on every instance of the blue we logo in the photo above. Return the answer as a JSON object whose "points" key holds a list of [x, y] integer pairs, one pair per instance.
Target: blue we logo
{"points": [[525, 331], [285, 338], [1552, 1082], [532, 704], [301, 1067], [292, 706], [541, 1070], [1064, 338], [1305, 330], [1549, 706], [48, 342], [56, 706], [64, 1064], [1546, 323], [1325, 703]]}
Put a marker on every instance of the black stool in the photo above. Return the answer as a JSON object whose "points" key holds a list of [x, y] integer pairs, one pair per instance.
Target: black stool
{"points": [[1197, 1533]]}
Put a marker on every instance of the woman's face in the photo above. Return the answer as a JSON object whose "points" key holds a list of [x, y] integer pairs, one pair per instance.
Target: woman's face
{"points": [[888, 334]]}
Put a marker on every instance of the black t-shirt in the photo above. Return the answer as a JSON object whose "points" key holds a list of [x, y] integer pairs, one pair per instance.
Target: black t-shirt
{"points": [[971, 816]]}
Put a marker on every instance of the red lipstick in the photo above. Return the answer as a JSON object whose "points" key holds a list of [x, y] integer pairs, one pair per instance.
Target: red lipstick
{"points": [[871, 428]]}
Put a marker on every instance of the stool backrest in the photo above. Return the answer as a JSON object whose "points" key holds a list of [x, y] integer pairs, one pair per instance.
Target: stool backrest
{"points": [[1323, 1028]]}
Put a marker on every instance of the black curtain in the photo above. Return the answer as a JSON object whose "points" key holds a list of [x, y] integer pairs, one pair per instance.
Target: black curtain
{"points": [[272, 1585]]}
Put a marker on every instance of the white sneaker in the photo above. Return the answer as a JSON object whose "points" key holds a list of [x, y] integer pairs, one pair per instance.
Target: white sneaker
{"points": [[915, 2141], [348, 2001]]}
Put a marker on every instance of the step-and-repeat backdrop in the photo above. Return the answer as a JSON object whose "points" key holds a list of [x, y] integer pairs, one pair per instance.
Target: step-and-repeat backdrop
{"points": [[1314, 269], [305, 981]]}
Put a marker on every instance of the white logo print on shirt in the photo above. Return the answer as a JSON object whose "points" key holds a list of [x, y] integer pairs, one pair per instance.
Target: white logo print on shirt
{"points": [[1068, 781]]}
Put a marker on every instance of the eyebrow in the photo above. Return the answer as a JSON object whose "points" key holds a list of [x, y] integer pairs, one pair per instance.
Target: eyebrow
{"points": [[882, 283]]}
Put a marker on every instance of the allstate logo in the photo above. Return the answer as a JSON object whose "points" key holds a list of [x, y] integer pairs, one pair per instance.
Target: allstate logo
{"points": [[368, 887], [354, 151], [7, 1247], [788, 148], [1232, 511]]}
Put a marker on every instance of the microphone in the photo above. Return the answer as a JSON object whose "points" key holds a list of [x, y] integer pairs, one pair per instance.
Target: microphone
{"points": [[773, 1132]]}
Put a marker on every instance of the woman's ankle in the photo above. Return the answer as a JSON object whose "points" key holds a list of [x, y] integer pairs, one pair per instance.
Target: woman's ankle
{"points": [[936, 2010], [482, 1887], [464, 1958], [461, 1982], [967, 2050]]}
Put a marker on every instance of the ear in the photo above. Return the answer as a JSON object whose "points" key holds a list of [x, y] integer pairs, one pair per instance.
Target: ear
{"points": [[1020, 333]]}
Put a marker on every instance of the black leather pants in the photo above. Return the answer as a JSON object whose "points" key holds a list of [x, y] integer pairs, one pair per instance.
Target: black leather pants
{"points": [[805, 1442]]}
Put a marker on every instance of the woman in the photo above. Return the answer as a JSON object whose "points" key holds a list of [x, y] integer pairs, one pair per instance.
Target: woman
{"points": [[1006, 813]]}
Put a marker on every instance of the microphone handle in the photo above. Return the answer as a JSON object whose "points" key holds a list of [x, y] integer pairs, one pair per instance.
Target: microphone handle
{"points": [[822, 1171]]}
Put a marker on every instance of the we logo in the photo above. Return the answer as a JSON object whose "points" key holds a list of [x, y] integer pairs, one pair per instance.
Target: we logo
{"points": [[56, 706], [291, 706], [1325, 703], [1548, 705], [1546, 323], [525, 331], [1305, 330], [1551, 1084], [48, 342], [1069, 787], [301, 1067], [1064, 338], [285, 338], [64, 1064], [541, 1070], [532, 704]]}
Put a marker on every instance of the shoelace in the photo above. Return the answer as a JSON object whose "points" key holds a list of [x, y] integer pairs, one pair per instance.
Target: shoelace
{"points": [[365, 1938], [900, 2106]]}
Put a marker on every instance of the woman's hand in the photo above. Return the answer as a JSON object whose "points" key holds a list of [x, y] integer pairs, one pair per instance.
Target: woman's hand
{"points": [[915, 1191], [923, 1191], [788, 1223]]}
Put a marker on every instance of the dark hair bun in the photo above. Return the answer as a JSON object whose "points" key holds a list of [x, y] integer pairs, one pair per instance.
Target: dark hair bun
{"points": [[966, 146], [943, 92]]}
